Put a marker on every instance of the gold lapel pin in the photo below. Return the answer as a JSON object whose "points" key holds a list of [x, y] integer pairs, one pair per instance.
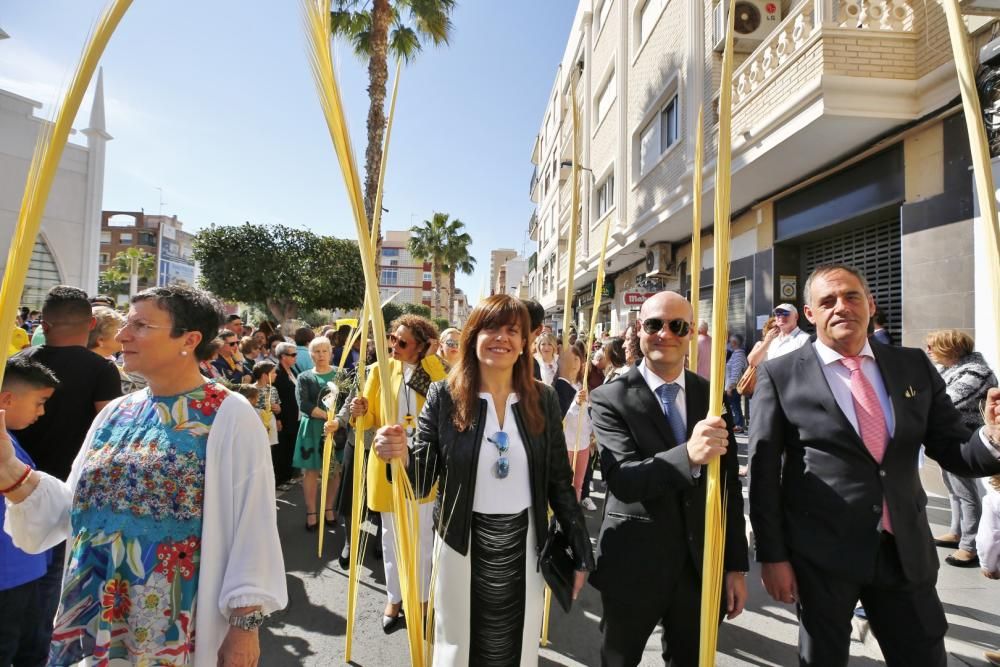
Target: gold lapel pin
{"points": [[910, 392]]}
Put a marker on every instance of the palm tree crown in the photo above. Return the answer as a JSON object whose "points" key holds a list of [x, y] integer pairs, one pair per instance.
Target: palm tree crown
{"points": [[443, 242], [376, 28]]}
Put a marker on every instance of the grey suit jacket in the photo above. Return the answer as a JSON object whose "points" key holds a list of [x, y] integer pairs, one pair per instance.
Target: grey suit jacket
{"points": [[815, 490]]}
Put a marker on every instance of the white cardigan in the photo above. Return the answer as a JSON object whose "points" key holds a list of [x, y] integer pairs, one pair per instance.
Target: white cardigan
{"points": [[241, 560]]}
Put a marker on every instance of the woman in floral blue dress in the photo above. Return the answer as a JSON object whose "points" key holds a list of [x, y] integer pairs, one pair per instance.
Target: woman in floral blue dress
{"points": [[172, 549]]}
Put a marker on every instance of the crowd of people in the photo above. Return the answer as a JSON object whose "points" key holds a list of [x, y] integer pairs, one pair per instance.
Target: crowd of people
{"points": [[140, 455]]}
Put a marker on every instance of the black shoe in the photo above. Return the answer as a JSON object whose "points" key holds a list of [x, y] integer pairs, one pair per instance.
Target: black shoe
{"points": [[962, 562], [345, 556], [950, 544], [311, 527], [390, 623]]}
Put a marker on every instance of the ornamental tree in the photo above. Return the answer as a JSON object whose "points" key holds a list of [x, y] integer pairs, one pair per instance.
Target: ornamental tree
{"points": [[283, 268]]}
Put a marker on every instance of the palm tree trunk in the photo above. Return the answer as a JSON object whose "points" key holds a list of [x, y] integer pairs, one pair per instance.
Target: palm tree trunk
{"points": [[436, 310], [378, 75], [451, 294]]}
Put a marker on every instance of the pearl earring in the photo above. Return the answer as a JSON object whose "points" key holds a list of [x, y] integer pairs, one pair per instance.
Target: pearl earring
{"points": [[184, 353]]}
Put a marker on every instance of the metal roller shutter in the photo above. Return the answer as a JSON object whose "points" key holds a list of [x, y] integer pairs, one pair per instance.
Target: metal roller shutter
{"points": [[875, 251], [737, 307]]}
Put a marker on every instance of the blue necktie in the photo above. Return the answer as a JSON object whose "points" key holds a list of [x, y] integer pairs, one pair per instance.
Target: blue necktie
{"points": [[667, 394]]}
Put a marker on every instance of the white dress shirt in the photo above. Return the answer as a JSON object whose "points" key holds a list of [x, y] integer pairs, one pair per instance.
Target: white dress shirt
{"points": [[783, 344], [654, 381], [492, 494], [839, 378], [680, 403]]}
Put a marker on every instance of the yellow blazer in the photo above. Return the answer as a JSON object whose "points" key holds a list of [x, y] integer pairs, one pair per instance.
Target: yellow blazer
{"points": [[379, 489]]}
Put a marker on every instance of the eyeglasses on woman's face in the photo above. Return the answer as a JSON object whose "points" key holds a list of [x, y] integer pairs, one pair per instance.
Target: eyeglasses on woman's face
{"points": [[140, 327], [396, 341], [451, 344]]}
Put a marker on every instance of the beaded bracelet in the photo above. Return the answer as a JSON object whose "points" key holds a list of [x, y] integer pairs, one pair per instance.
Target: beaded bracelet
{"points": [[20, 482]]}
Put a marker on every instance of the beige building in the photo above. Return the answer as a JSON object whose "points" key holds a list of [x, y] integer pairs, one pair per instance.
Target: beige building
{"points": [[498, 258], [401, 272], [848, 145]]}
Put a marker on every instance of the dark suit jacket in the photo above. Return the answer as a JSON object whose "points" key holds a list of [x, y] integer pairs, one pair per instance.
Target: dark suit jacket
{"points": [[654, 513], [815, 490]]}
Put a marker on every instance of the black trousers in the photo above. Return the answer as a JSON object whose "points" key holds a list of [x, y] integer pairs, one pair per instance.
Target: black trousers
{"points": [[22, 621], [906, 617], [629, 620]]}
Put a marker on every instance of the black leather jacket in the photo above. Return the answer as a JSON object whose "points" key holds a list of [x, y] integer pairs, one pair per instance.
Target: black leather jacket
{"points": [[441, 452]]}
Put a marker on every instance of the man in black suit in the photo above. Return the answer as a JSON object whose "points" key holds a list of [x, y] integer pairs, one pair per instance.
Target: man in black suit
{"points": [[654, 437], [835, 496]]}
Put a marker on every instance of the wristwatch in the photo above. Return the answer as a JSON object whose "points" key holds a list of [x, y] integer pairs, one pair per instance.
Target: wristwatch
{"points": [[251, 621]]}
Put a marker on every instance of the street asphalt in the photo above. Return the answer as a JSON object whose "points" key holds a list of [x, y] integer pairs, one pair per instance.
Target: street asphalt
{"points": [[312, 630]]}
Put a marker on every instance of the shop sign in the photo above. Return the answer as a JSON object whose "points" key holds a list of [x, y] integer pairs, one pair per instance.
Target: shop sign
{"points": [[636, 298]]}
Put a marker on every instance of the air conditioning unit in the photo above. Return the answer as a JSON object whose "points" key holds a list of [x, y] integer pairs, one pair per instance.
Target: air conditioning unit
{"points": [[980, 7], [660, 261], [754, 20]]}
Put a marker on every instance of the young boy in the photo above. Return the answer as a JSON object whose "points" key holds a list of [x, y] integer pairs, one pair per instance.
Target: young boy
{"points": [[27, 384]]}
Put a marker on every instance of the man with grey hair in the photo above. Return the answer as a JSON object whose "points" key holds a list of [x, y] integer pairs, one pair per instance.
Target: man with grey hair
{"points": [[836, 503]]}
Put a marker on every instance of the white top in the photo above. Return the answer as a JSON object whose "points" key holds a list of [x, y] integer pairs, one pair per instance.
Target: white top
{"points": [[839, 379], [988, 538], [549, 370], [512, 494], [241, 561], [680, 403], [577, 416], [785, 343]]}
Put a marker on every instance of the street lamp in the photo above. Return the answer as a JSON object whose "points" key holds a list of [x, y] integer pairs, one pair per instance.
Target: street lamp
{"points": [[569, 163]]}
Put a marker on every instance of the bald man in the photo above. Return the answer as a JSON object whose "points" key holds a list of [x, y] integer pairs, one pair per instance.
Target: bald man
{"points": [[654, 439]]}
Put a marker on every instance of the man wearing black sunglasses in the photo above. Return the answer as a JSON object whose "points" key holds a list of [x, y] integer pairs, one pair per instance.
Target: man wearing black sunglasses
{"points": [[654, 437]]}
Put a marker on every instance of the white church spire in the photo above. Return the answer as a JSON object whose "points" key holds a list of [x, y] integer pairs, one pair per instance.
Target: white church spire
{"points": [[97, 139]]}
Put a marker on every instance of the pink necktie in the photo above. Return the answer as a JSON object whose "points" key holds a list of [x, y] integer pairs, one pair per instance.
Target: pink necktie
{"points": [[871, 419]]}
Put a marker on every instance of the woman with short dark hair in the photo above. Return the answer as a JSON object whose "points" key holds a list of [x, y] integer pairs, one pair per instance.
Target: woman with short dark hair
{"points": [[492, 436], [169, 509]]}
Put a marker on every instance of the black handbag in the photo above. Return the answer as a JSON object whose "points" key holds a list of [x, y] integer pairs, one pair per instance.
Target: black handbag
{"points": [[558, 566]]}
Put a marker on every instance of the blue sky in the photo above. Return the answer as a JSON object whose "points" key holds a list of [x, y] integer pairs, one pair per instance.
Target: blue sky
{"points": [[213, 102]]}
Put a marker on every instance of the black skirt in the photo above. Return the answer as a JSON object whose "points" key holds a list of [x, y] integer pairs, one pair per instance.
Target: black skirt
{"points": [[497, 554]]}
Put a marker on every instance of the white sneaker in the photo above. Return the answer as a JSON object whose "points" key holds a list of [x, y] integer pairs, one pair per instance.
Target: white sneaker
{"points": [[588, 504]]}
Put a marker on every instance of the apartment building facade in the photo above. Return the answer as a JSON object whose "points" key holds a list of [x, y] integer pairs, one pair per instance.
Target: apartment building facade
{"points": [[400, 272], [161, 236], [848, 145]]}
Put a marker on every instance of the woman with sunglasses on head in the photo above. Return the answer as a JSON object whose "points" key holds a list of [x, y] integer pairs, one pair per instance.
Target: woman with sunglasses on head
{"points": [[413, 367], [493, 436], [168, 513]]}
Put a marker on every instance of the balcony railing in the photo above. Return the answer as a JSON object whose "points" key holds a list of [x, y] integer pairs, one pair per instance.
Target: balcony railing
{"points": [[534, 180], [799, 30]]}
